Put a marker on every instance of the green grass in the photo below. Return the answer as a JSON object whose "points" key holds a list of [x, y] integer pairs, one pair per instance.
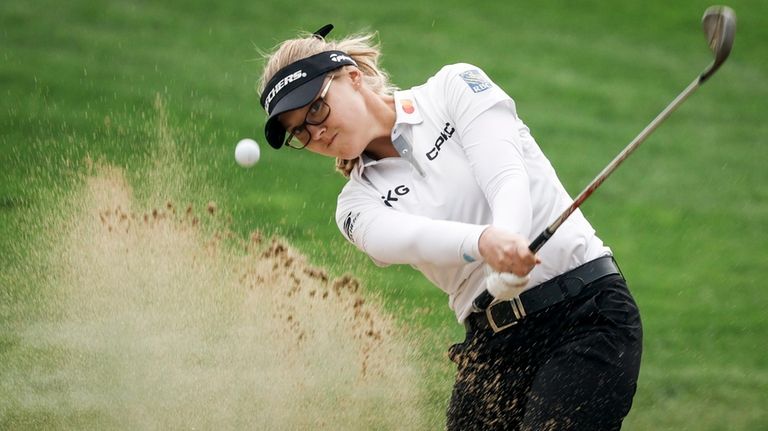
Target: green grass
{"points": [[685, 215]]}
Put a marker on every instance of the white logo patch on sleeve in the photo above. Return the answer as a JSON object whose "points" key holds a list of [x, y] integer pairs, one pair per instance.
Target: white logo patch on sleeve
{"points": [[476, 81]]}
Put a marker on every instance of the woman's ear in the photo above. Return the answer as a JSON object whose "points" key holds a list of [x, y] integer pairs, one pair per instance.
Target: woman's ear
{"points": [[356, 76]]}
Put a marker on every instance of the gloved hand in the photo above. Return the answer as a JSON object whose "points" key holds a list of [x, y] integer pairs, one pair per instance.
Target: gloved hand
{"points": [[505, 285]]}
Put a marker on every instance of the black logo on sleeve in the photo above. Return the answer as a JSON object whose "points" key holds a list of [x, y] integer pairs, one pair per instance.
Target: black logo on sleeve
{"points": [[349, 225], [392, 195], [445, 134]]}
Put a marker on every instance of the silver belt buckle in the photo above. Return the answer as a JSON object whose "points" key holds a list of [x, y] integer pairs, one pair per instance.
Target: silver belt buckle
{"points": [[517, 308]]}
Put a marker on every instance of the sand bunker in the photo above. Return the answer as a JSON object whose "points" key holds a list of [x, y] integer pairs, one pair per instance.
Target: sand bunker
{"points": [[156, 322]]}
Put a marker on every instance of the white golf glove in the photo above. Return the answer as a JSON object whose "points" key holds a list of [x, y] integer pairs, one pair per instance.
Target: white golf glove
{"points": [[505, 285]]}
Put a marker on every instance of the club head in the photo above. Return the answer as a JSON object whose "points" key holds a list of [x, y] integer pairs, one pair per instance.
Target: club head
{"points": [[719, 24]]}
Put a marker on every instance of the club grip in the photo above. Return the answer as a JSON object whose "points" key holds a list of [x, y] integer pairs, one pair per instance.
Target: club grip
{"points": [[540, 240]]}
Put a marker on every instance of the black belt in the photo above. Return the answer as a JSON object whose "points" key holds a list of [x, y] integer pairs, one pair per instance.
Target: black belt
{"points": [[503, 314]]}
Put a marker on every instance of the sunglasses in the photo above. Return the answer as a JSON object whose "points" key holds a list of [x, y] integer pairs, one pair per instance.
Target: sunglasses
{"points": [[318, 112]]}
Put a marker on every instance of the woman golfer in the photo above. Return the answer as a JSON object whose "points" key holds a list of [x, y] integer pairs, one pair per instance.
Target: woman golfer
{"points": [[447, 178]]}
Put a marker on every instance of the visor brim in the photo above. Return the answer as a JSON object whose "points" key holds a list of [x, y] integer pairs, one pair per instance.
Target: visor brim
{"points": [[298, 98]]}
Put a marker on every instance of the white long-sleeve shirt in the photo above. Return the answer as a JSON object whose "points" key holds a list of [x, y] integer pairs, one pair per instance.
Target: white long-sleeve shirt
{"points": [[467, 161]]}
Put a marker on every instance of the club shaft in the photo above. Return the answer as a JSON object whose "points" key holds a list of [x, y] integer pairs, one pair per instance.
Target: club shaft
{"points": [[485, 298], [613, 165]]}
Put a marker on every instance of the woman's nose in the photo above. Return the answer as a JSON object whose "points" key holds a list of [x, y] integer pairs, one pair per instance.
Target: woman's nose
{"points": [[316, 131]]}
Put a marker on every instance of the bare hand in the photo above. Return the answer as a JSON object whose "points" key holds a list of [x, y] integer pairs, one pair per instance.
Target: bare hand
{"points": [[505, 251]]}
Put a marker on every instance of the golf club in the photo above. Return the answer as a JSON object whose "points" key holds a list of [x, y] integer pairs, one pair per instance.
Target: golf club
{"points": [[719, 24]]}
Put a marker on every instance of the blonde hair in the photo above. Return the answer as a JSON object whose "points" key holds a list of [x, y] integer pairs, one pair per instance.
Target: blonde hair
{"points": [[362, 47]]}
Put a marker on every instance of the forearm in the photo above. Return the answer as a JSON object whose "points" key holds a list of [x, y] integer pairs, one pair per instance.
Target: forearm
{"points": [[398, 238], [496, 154]]}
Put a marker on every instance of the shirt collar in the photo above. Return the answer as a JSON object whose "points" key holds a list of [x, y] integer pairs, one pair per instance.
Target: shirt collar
{"points": [[362, 162], [406, 112]]}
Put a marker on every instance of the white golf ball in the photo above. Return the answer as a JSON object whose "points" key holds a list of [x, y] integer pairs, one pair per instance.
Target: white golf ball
{"points": [[247, 152]]}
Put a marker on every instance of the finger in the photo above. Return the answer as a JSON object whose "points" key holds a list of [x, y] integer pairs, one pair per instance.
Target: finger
{"points": [[504, 286], [521, 269], [514, 280]]}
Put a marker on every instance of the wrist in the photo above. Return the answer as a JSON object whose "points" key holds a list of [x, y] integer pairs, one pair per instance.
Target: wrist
{"points": [[470, 248]]}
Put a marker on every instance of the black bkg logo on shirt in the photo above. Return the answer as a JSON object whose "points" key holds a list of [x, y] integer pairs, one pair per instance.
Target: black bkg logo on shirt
{"points": [[400, 190], [349, 225], [447, 132]]}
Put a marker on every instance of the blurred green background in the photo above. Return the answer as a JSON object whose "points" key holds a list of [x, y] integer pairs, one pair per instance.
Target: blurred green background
{"points": [[685, 215]]}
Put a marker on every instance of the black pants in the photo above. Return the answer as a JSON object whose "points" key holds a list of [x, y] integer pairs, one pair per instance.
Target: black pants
{"points": [[573, 366]]}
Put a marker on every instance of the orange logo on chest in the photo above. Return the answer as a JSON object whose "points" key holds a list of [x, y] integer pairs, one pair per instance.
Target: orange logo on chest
{"points": [[407, 106]]}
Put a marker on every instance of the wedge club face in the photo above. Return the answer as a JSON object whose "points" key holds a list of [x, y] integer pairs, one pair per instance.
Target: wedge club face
{"points": [[719, 23]]}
